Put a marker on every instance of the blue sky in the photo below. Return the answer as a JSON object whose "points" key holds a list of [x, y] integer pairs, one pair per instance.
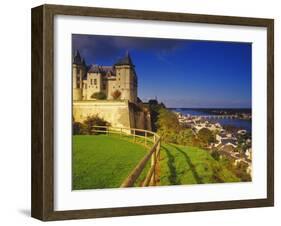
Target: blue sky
{"points": [[180, 73]]}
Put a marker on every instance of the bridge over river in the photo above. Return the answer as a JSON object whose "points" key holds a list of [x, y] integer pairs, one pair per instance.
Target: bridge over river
{"points": [[217, 116]]}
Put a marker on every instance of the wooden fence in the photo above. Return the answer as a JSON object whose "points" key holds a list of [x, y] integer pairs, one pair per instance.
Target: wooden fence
{"points": [[153, 154]]}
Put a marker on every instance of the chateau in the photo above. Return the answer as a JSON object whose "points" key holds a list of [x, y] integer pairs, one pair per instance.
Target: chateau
{"points": [[109, 92], [111, 82]]}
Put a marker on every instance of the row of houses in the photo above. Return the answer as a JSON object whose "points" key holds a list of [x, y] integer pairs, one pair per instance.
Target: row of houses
{"points": [[226, 143], [197, 123]]}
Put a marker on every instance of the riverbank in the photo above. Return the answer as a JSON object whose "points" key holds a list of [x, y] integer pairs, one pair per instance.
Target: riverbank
{"points": [[242, 119]]}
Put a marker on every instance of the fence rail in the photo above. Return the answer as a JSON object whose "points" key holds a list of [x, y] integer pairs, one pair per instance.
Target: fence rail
{"points": [[153, 154]]}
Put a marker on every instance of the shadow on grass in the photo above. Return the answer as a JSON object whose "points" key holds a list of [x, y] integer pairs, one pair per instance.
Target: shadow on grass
{"points": [[173, 178], [191, 165]]}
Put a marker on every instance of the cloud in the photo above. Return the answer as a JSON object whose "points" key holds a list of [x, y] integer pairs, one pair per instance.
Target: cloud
{"points": [[94, 47], [204, 102]]}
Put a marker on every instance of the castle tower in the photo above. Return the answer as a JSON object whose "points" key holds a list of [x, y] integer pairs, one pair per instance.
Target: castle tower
{"points": [[78, 71], [94, 81], [126, 78]]}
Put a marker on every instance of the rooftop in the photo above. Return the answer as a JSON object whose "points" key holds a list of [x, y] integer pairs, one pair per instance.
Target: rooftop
{"points": [[77, 59], [126, 60], [105, 70]]}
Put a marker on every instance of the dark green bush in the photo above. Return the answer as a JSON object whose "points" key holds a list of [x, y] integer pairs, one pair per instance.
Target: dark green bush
{"points": [[94, 120], [78, 128], [206, 136], [99, 96], [215, 155]]}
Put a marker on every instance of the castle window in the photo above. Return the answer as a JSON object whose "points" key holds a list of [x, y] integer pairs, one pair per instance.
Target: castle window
{"points": [[91, 81], [95, 81]]}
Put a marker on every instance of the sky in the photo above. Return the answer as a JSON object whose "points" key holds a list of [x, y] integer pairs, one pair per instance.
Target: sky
{"points": [[179, 73]]}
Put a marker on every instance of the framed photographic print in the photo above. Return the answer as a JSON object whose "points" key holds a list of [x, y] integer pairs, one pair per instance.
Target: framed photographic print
{"points": [[141, 112]]}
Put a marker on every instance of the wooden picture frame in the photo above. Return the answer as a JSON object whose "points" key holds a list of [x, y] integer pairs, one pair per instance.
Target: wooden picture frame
{"points": [[42, 203]]}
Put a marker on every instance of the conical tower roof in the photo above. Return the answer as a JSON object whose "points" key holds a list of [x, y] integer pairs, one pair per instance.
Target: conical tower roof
{"points": [[126, 60], [77, 58]]}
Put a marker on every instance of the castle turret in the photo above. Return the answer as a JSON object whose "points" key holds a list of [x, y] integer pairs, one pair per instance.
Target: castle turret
{"points": [[78, 71], [94, 81], [126, 78]]}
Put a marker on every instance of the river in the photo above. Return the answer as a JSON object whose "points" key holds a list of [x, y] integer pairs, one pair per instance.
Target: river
{"points": [[239, 123]]}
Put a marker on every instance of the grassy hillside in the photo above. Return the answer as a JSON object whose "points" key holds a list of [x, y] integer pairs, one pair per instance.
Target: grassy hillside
{"points": [[103, 161], [191, 165]]}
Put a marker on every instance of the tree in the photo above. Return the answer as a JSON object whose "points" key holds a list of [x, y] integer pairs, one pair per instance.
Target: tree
{"points": [[240, 169], [168, 120], [216, 155], [116, 94], [185, 137], [154, 108], [94, 120], [206, 136], [168, 125], [241, 172], [99, 96]]}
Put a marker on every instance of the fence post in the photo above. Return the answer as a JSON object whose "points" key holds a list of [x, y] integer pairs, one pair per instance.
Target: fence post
{"points": [[153, 164], [107, 131], [153, 175], [159, 148], [145, 136]]}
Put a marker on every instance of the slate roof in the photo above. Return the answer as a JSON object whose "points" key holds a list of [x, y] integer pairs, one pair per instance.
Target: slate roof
{"points": [[223, 135], [126, 60], [226, 141], [104, 70], [108, 71], [77, 58]]}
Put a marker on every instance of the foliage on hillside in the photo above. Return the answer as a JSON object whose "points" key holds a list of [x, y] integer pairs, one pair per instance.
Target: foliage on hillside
{"points": [[168, 126], [154, 108], [240, 169], [171, 131], [174, 134], [206, 137], [242, 145]]}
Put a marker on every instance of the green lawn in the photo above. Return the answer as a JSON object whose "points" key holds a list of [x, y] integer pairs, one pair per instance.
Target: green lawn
{"points": [[191, 165], [102, 161]]}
